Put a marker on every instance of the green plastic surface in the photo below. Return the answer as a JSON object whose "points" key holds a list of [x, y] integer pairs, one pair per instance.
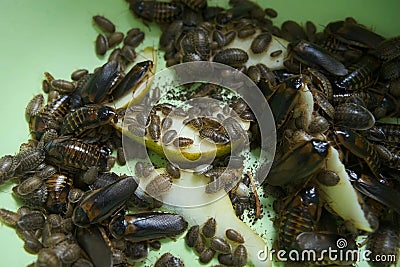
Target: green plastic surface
{"points": [[58, 36]]}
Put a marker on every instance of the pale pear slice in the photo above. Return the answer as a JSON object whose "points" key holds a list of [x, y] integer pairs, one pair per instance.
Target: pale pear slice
{"points": [[202, 150], [274, 63], [216, 205], [139, 91], [342, 198]]}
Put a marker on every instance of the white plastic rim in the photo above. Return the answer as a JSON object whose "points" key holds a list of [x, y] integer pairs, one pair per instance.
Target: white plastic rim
{"points": [[189, 193]]}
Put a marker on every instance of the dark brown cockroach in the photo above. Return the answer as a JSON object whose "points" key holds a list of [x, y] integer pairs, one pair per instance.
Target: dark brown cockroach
{"points": [[154, 128], [318, 124], [360, 147], [361, 74], [158, 185], [102, 202], [63, 86], [220, 245], [48, 257], [261, 42], [239, 256], [28, 160], [29, 185], [354, 34], [209, 228], [285, 98], [78, 74], [92, 242], [165, 108], [316, 57], [182, 142], [159, 12], [219, 38], [75, 195], [49, 117], [270, 12], [292, 31], [87, 117], [7, 167], [225, 259], [31, 221], [310, 29], [166, 123], [104, 24], [200, 244], [199, 42], [321, 82], [229, 37], [136, 251], [207, 255], [388, 49], [34, 106], [147, 226], [74, 154], [328, 178], [191, 18], [299, 215], [214, 135], [276, 53], [132, 79], [372, 188], [58, 187], [128, 52], [115, 39], [233, 57], [9, 217], [134, 37], [234, 236], [31, 243], [384, 245], [121, 160], [391, 132], [353, 116], [254, 74], [320, 242], [167, 259], [307, 157], [46, 87], [115, 55], [99, 86], [246, 31], [173, 170], [101, 44], [390, 70], [68, 252], [192, 235]]}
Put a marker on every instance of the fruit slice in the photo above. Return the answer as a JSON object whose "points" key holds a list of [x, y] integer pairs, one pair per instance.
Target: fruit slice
{"points": [[217, 205]]}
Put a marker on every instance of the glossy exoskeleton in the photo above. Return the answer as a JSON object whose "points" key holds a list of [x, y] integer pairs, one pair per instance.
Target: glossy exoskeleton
{"points": [[49, 117], [167, 259], [102, 202], [233, 57], [87, 117], [300, 215], [147, 226], [73, 154], [58, 187], [159, 12]]}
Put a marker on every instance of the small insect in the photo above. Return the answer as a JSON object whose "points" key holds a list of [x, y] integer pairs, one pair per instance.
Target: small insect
{"points": [[128, 52], [79, 74], [328, 178], [74, 154], [270, 12], [9, 217], [173, 170], [292, 31], [159, 12], [353, 116], [145, 226], [87, 117], [233, 57], [29, 185], [58, 188], [213, 135], [34, 106], [114, 39], [246, 31], [104, 24], [101, 44], [207, 255], [159, 185], [100, 203], [167, 259], [192, 235], [261, 43], [234, 236], [209, 228], [154, 128], [63, 86], [31, 221], [239, 256], [220, 245], [182, 142], [31, 243]]}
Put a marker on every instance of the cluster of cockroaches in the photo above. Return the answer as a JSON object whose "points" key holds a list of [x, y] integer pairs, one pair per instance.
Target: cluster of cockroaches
{"points": [[74, 207], [352, 75]]}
